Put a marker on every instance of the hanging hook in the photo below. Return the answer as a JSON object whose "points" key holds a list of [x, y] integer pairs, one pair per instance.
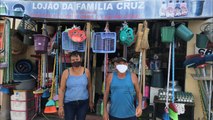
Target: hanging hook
{"points": [[106, 29], [173, 23]]}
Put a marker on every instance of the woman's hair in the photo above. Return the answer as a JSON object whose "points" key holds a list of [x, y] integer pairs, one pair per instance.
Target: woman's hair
{"points": [[75, 54]]}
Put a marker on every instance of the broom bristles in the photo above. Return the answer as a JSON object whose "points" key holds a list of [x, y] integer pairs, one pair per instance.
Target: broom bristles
{"points": [[50, 109]]}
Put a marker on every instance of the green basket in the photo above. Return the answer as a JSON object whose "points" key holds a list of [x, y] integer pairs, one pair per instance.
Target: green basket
{"points": [[167, 34]]}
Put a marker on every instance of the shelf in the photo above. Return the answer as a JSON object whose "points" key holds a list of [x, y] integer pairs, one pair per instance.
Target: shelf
{"points": [[200, 77]]}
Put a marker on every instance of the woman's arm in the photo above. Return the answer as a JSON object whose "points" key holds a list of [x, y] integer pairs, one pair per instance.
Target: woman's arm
{"points": [[62, 88], [90, 89]]}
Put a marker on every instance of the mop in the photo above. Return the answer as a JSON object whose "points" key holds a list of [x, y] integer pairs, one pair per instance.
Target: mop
{"points": [[172, 107], [166, 112]]}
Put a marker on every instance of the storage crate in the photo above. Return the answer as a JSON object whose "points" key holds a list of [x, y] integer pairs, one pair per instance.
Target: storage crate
{"points": [[22, 115], [68, 44], [22, 105], [104, 42], [22, 95]]}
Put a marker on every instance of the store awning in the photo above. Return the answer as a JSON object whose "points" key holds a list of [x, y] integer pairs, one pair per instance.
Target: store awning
{"points": [[108, 10]]}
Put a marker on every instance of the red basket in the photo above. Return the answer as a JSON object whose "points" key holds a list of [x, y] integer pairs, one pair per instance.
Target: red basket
{"points": [[41, 43]]}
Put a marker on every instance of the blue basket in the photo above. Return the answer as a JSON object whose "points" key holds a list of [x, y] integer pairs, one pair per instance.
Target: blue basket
{"points": [[104, 42], [68, 44]]}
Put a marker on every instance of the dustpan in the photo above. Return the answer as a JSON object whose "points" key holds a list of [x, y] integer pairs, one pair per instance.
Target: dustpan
{"points": [[173, 107], [50, 109], [46, 93]]}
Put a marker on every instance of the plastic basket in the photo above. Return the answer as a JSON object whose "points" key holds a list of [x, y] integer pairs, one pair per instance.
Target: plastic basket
{"points": [[68, 44], [104, 42], [167, 34], [27, 25], [41, 43], [18, 10]]}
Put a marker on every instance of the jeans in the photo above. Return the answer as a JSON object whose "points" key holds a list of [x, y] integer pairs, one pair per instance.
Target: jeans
{"points": [[76, 109], [130, 118]]}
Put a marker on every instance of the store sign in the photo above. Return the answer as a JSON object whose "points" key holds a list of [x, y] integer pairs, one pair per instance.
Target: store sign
{"points": [[203, 51], [109, 10]]}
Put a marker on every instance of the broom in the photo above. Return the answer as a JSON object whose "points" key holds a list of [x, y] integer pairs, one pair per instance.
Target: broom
{"points": [[50, 105]]}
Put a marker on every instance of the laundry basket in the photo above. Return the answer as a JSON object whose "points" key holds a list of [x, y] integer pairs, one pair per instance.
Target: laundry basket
{"points": [[41, 43], [27, 25], [69, 45], [104, 42]]}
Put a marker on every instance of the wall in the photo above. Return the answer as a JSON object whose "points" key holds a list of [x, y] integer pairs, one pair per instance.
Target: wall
{"points": [[191, 85]]}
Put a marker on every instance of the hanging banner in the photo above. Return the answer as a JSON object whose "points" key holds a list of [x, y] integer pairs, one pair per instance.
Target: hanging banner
{"points": [[109, 10]]}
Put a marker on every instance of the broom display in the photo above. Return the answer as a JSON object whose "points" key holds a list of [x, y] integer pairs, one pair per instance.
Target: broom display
{"points": [[141, 46]]}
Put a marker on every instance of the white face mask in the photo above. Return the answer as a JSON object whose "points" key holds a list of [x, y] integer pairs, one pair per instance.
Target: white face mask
{"points": [[122, 68]]}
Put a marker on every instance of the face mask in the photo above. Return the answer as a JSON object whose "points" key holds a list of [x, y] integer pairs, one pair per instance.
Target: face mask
{"points": [[121, 68], [76, 64]]}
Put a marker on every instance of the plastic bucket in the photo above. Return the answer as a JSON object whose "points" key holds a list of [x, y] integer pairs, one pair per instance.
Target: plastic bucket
{"points": [[18, 10], [167, 34], [197, 7], [184, 33], [157, 79], [41, 43], [201, 40]]}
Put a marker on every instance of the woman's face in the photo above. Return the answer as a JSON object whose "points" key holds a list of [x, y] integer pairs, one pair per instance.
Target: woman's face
{"points": [[75, 59]]}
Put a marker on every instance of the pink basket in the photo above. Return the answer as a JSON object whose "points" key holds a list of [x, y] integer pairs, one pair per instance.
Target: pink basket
{"points": [[41, 43]]}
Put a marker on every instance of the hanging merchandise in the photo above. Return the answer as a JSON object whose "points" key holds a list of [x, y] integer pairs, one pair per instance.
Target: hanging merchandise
{"points": [[207, 29], [173, 112], [126, 35], [3, 8], [18, 10], [3, 63], [167, 33], [27, 25], [76, 34], [104, 42], [28, 39], [184, 33], [23, 66], [41, 43], [70, 45], [55, 98], [201, 40]]}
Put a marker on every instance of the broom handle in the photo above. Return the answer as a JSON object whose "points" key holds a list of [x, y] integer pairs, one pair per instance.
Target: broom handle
{"points": [[168, 76], [144, 70], [173, 71]]}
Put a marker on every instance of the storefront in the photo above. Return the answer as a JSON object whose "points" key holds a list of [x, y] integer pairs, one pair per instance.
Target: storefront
{"points": [[93, 17]]}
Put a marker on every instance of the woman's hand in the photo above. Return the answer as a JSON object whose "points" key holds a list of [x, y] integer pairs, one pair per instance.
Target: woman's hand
{"points": [[61, 112], [91, 106], [105, 116], [138, 112]]}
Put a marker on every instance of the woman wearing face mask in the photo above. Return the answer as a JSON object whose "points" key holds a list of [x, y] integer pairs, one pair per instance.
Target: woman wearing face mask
{"points": [[123, 87], [75, 92]]}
